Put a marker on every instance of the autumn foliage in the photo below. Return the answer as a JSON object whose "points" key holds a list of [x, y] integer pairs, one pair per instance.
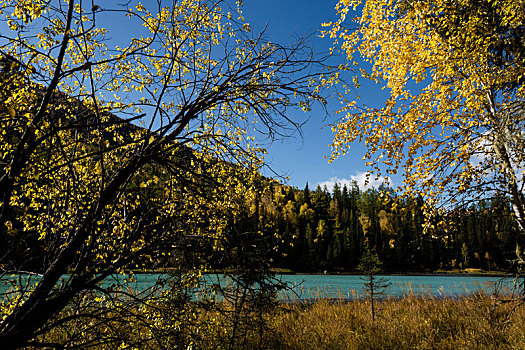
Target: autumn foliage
{"points": [[125, 156], [452, 125]]}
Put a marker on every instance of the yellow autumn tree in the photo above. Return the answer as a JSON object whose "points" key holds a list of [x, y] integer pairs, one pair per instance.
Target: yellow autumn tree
{"points": [[453, 122], [127, 156]]}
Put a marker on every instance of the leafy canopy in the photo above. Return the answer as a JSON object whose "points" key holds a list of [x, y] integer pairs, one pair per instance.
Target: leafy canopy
{"points": [[119, 156], [453, 122]]}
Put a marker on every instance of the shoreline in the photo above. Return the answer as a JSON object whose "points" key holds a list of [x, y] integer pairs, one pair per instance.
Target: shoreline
{"points": [[451, 273]]}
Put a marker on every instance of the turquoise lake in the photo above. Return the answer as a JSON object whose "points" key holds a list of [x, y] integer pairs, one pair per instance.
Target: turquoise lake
{"points": [[351, 286]]}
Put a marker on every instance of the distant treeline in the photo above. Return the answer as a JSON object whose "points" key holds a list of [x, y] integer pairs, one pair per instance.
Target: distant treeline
{"points": [[318, 230], [313, 231]]}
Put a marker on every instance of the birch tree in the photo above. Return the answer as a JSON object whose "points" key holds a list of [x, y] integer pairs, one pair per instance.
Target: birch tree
{"points": [[453, 122]]}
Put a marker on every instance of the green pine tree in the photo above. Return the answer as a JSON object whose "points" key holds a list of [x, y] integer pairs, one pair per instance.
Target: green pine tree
{"points": [[374, 286]]}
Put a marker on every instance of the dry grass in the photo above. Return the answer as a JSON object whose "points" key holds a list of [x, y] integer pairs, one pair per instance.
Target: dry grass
{"points": [[478, 321]]}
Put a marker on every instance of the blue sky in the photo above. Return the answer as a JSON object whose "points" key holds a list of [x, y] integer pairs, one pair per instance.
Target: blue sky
{"points": [[304, 159], [301, 159]]}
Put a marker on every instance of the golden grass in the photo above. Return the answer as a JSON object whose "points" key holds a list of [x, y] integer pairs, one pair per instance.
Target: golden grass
{"points": [[478, 321]]}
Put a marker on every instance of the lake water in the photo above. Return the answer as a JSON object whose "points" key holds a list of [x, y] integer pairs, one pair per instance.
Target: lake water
{"points": [[351, 286]]}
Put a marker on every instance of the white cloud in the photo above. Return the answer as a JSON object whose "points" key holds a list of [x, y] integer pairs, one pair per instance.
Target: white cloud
{"points": [[359, 178]]}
